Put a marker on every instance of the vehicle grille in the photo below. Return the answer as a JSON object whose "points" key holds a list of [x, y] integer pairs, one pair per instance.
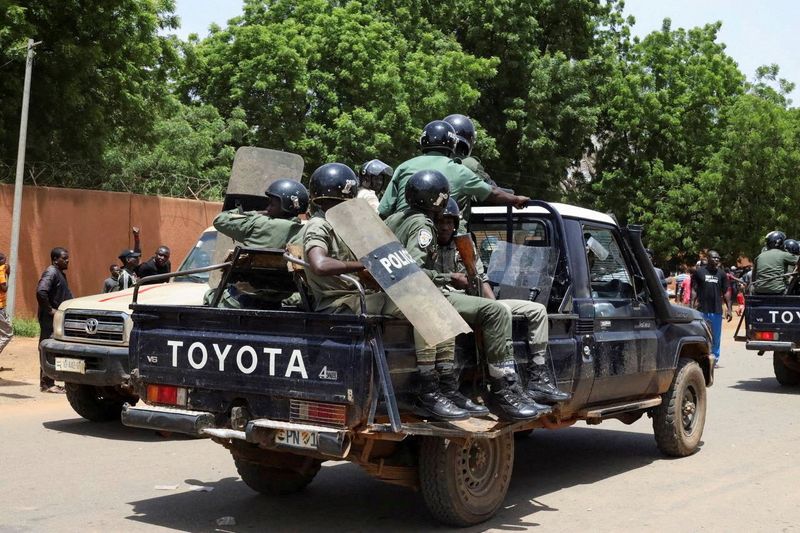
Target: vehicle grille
{"points": [[108, 327]]}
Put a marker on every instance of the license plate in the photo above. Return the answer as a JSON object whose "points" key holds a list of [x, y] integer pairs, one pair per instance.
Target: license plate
{"points": [[66, 364], [297, 438]]}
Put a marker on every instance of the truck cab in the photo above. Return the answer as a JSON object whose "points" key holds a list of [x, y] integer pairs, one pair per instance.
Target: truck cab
{"points": [[286, 390], [89, 347]]}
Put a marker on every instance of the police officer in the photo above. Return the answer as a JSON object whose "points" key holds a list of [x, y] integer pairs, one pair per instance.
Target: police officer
{"points": [[427, 195], [274, 227], [328, 256], [373, 176], [541, 383], [467, 135], [438, 142], [771, 265]]}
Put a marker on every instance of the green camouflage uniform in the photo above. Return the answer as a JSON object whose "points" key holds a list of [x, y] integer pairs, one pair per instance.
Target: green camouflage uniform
{"points": [[768, 270], [252, 229], [464, 184]]}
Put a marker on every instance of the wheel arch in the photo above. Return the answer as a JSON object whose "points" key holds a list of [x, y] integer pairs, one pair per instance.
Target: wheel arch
{"points": [[698, 350]]}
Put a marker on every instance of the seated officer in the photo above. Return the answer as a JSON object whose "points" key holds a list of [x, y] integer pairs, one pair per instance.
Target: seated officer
{"points": [[427, 194], [771, 265], [372, 178], [541, 384], [275, 227], [327, 256]]}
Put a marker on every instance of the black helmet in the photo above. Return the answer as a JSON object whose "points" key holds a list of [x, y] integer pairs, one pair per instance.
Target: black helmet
{"points": [[291, 193], [451, 209], [428, 190], [792, 246], [465, 129], [333, 181], [649, 252], [374, 173], [775, 239], [438, 135]]}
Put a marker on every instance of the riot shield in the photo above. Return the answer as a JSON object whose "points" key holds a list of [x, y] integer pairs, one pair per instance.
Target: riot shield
{"points": [[395, 271], [253, 170]]}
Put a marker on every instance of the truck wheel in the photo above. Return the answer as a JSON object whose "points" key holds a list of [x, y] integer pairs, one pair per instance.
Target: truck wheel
{"points": [[275, 481], [464, 483], [785, 376], [92, 404], [678, 422]]}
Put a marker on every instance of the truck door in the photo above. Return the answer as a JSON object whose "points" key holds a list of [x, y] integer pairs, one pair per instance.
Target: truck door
{"points": [[626, 334]]}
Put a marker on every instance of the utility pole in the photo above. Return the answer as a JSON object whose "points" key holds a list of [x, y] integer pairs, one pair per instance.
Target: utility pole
{"points": [[17, 214]]}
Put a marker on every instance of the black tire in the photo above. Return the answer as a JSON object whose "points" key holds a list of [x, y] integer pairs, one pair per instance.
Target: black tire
{"points": [[524, 434], [465, 483], [91, 403], [274, 481], [678, 422], [785, 376]]}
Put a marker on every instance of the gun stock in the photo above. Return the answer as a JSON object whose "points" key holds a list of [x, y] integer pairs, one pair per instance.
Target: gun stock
{"points": [[466, 249]]}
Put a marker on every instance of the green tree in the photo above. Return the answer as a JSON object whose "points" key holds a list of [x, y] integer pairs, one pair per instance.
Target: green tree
{"points": [[664, 105], [190, 155], [100, 74], [331, 80]]}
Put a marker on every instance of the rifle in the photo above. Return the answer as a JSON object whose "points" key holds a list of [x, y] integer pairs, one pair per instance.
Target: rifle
{"points": [[466, 249]]}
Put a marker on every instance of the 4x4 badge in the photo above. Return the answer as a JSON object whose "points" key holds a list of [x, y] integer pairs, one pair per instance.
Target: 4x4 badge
{"points": [[91, 326]]}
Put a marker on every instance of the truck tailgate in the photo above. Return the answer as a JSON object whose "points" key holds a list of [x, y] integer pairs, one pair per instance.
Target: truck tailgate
{"points": [[265, 356]]}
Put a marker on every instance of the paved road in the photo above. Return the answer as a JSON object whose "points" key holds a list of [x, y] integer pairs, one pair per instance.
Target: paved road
{"points": [[58, 472]]}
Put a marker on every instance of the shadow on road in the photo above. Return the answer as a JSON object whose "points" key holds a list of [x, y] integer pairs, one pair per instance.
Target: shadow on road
{"points": [[768, 384], [343, 497], [12, 383], [113, 430], [15, 396]]}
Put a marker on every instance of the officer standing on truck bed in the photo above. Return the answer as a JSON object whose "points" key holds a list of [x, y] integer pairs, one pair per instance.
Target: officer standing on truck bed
{"points": [[438, 142], [274, 227], [427, 194], [771, 265]]}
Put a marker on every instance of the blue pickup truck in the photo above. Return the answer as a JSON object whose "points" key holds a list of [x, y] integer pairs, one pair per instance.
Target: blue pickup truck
{"points": [[287, 389]]}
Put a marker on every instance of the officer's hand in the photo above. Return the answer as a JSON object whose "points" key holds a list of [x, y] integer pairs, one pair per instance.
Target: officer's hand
{"points": [[521, 201], [459, 280], [728, 316], [135, 230]]}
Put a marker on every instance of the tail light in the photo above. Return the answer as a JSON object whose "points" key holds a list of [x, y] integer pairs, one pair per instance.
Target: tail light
{"points": [[166, 395], [765, 335], [323, 413]]}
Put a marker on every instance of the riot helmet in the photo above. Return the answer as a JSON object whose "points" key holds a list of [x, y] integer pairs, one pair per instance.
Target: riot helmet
{"points": [[428, 191], [292, 195], [464, 129], [438, 135], [374, 173], [333, 181], [775, 239], [792, 246], [451, 210]]}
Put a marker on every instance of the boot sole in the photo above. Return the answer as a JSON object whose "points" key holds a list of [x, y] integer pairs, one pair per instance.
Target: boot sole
{"points": [[423, 412]]}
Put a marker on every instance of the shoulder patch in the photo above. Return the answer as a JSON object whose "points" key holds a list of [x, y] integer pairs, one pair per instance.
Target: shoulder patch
{"points": [[424, 238]]}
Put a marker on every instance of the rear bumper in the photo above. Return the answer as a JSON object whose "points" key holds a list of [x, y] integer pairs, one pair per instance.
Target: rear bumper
{"points": [[330, 442], [770, 346], [106, 366]]}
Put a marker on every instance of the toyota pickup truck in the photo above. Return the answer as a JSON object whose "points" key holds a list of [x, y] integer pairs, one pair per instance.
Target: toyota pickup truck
{"points": [[772, 324], [287, 389], [89, 347]]}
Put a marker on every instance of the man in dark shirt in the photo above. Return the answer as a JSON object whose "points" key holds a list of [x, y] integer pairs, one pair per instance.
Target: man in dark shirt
{"points": [[51, 291], [158, 264], [709, 288], [111, 283]]}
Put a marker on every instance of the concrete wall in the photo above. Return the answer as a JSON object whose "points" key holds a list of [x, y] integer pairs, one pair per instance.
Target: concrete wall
{"points": [[94, 226]]}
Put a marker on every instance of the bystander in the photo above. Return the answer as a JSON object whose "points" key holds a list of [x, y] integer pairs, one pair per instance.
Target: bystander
{"points": [[6, 329], [50, 292], [111, 283], [709, 288]]}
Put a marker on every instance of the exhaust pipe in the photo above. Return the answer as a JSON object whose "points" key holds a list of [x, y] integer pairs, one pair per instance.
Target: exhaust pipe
{"points": [[334, 444]]}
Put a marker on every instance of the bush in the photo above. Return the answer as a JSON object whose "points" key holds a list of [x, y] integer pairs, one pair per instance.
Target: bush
{"points": [[26, 327]]}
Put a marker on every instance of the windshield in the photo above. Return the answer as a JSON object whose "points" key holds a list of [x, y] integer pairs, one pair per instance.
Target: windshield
{"points": [[199, 257]]}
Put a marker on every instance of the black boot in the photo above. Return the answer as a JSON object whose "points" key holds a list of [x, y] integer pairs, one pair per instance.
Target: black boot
{"points": [[541, 386], [449, 387], [509, 402], [435, 404]]}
